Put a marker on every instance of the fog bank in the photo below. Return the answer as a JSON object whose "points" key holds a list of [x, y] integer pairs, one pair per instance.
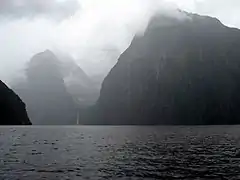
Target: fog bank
{"points": [[94, 32]]}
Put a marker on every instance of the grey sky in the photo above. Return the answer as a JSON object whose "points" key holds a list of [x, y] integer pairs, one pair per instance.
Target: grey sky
{"points": [[32, 8], [95, 32]]}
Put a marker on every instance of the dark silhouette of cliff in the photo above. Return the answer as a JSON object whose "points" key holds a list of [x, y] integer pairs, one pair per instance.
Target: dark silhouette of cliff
{"points": [[12, 108], [179, 72]]}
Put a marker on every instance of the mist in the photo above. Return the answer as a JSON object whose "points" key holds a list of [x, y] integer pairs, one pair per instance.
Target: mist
{"points": [[93, 32]]}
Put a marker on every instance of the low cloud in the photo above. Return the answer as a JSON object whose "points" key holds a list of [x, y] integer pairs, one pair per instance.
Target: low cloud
{"points": [[226, 11], [32, 8], [95, 35]]}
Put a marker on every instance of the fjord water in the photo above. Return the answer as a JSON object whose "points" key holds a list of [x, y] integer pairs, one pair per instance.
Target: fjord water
{"points": [[124, 152]]}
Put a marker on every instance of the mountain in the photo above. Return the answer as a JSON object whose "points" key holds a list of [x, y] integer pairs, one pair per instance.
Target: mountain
{"points": [[45, 93], [84, 90], [180, 72], [12, 108]]}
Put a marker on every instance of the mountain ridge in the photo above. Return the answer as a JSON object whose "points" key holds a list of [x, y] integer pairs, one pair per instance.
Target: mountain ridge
{"points": [[180, 73]]}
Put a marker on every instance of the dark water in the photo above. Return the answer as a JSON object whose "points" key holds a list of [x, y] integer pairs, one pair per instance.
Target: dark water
{"points": [[106, 152]]}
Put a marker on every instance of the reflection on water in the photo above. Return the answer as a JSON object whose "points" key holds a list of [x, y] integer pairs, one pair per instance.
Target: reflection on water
{"points": [[105, 152]]}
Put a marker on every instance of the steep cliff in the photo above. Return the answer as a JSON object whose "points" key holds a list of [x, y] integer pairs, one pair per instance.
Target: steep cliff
{"points": [[179, 72], [12, 108]]}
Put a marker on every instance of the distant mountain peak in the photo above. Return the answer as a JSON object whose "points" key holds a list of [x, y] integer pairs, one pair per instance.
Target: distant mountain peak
{"points": [[43, 58], [55, 87], [165, 20], [47, 53]]}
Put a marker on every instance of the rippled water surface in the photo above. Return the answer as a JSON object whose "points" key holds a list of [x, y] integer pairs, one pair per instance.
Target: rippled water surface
{"points": [[125, 152]]}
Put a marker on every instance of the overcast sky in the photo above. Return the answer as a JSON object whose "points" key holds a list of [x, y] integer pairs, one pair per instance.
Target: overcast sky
{"points": [[94, 32]]}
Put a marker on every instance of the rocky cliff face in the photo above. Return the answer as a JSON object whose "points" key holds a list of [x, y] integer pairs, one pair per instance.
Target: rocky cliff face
{"points": [[12, 108], [180, 72]]}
